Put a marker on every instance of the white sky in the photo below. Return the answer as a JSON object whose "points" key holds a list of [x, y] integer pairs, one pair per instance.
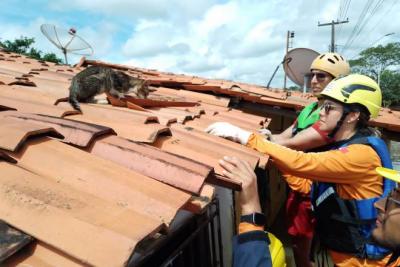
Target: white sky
{"points": [[241, 40]]}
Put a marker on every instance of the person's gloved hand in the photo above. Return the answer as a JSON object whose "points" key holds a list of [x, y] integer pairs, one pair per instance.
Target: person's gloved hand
{"points": [[267, 133], [229, 131]]}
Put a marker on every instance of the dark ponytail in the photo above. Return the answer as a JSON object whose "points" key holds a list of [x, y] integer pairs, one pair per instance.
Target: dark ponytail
{"points": [[362, 124]]}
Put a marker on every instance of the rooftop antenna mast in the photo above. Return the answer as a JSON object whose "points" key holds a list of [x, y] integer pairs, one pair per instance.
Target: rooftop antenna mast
{"points": [[67, 41]]}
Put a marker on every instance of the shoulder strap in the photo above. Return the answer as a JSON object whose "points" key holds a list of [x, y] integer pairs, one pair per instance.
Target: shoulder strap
{"points": [[380, 147]]}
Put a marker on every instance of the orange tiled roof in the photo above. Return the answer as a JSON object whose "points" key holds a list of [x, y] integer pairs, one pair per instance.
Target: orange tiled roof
{"points": [[108, 175]]}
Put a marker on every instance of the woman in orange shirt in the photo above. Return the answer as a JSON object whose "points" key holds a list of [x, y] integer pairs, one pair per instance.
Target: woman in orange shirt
{"points": [[342, 177]]}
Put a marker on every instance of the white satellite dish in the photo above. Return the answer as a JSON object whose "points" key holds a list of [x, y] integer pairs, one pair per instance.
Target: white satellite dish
{"points": [[67, 41], [297, 62]]}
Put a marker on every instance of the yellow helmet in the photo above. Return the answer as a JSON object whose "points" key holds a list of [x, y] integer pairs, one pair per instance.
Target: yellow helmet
{"points": [[332, 63], [277, 251], [356, 89]]}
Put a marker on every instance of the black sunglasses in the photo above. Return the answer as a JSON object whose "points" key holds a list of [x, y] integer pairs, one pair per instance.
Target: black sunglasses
{"points": [[327, 107], [319, 75]]}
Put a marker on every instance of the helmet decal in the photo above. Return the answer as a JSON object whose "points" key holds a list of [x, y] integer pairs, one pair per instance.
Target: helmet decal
{"points": [[348, 90], [356, 89]]}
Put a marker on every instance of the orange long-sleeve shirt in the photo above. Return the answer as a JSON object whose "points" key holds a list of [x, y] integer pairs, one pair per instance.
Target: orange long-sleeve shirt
{"points": [[301, 185], [352, 169]]}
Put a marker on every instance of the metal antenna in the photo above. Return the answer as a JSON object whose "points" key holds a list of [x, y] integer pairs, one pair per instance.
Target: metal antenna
{"points": [[67, 41]]}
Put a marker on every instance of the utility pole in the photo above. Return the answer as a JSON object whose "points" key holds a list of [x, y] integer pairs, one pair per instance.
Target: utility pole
{"points": [[333, 23], [290, 35]]}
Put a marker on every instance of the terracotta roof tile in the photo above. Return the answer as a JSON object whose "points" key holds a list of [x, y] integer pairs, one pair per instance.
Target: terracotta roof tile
{"points": [[106, 113], [221, 180], [6, 157], [31, 102], [388, 119], [206, 87], [180, 115], [191, 143], [23, 82], [5, 79], [204, 98], [250, 123], [76, 133], [213, 109], [68, 219], [177, 171], [198, 203], [146, 133], [258, 91], [151, 102], [166, 119], [100, 177], [13, 134], [103, 181], [40, 254], [196, 111], [119, 178]]}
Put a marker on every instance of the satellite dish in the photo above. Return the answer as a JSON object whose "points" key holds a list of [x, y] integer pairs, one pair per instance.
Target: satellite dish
{"points": [[66, 40], [297, 62]]}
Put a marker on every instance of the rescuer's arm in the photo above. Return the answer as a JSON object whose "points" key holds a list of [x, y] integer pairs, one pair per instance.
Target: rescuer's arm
{"points": [[251, 245]]}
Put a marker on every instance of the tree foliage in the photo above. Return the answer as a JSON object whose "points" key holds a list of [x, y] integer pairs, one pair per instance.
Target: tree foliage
{"points": [[380, 63], [390, 84], [23, 45]]}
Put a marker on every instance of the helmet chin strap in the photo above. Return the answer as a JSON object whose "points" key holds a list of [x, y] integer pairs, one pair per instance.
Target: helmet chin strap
{"points": [[339, 124]]}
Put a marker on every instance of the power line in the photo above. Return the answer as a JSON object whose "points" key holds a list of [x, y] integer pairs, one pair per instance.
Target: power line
{"points": [[340, 9], [377, 7], [372, 44], [361, 19], [383, 16], [344, 15], [366, 21], [358, 23]]}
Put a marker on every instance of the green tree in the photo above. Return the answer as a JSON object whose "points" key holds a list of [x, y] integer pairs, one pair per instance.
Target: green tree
{"points": [[390, 84], [295, 88], [23, 45], [19, 46], [51, 57], [378, 63]]}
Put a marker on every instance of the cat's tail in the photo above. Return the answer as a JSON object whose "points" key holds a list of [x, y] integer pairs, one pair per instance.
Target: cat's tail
{"points": [[73, 96]]}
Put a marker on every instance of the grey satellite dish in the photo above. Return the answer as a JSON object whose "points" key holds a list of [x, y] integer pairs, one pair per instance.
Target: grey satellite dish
{"points": [[297, 62], [67, 41]]}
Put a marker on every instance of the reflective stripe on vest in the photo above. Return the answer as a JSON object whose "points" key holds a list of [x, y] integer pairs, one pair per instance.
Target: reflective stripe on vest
{"points": [[355, 214]]}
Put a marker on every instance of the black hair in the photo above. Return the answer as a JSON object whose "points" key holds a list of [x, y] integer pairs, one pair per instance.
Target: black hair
{"points": [[362, 123]]}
